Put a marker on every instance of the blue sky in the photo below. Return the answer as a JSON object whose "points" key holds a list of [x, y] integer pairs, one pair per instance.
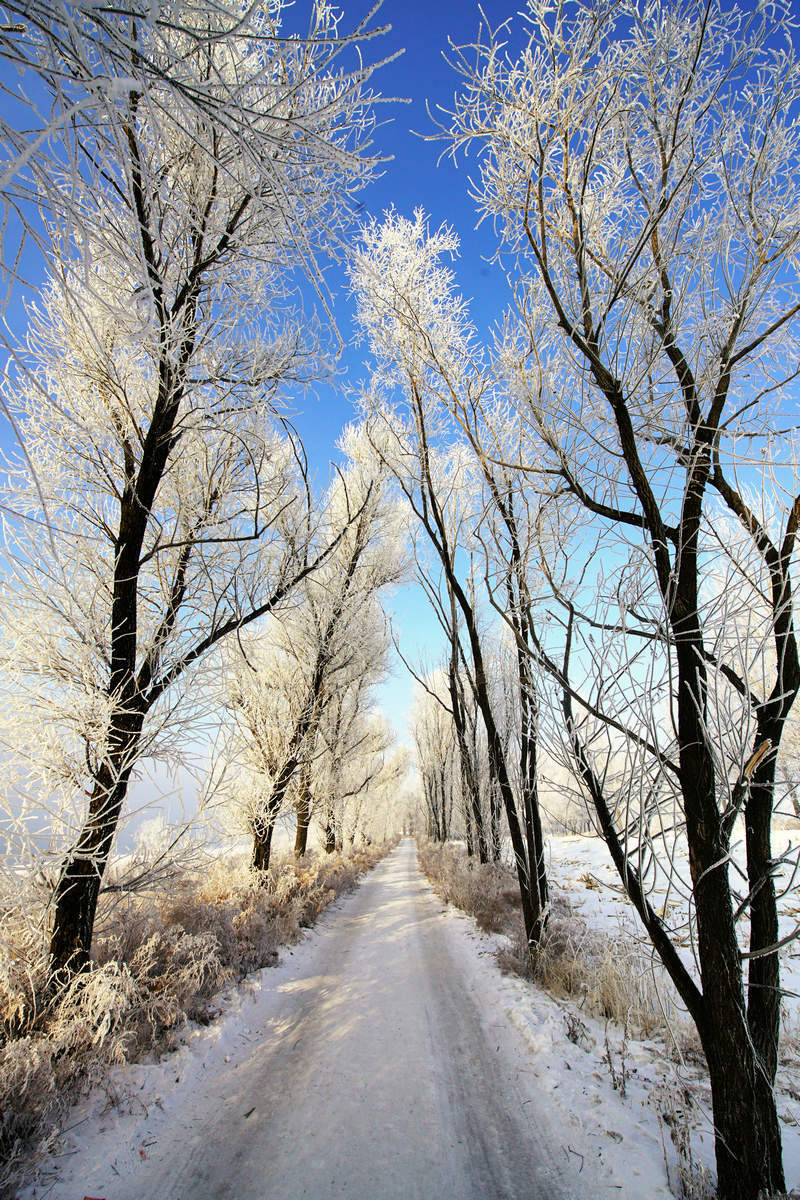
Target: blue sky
{"points": [[417, 176]]}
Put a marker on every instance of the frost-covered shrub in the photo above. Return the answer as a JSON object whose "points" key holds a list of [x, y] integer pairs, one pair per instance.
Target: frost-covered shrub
{"points": [[487, 891], [91, 1014], [157, 961], [23, 961], [29, 1102]]}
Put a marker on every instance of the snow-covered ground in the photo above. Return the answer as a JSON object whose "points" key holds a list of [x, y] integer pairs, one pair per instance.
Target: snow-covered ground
{"points": [[582, 870], [386, 1055]]}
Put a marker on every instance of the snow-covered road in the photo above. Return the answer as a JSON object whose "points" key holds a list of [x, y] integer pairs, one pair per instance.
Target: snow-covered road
{"points": [[380, 1077], [377, 1061]]}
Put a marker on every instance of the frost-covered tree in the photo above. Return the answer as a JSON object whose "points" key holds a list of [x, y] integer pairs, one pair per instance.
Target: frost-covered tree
{"points": [[436, 757], [429, 360], [356, 767], [641, 165], [330, 643], [149, 386], [72, 66]]}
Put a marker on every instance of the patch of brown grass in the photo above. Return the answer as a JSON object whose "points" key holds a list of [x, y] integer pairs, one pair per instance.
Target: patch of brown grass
{"points": [[609, 977]]}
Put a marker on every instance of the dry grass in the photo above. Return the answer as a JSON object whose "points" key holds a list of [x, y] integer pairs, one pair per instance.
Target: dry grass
{"points": [[612, 978], [158, 962], [488, 892], [678, 1116]]}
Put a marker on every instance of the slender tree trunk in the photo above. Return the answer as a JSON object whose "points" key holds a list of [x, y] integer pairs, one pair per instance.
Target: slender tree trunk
{"points": [[443, 794], [764, 983], [532, 911], [262, 843], [531, 813], [468, 828], [432, 811], [301, 836], [264, 822], [469, 783], [303, 816], [330, 836], [494, 821], [748, 1149]]}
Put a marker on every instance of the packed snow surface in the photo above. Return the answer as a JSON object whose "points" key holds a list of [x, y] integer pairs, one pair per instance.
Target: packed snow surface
{"points": [[385, 1057]]}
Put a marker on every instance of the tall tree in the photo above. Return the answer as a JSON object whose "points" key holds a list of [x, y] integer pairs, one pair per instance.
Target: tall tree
{"points": [[332, 639], [357, 765], [148, 392], [437, 757], [426, 348], [641, 164]]}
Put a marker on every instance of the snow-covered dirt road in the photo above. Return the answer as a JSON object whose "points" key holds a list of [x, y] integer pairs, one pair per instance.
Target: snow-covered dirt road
{"points": [[372, 1064]]}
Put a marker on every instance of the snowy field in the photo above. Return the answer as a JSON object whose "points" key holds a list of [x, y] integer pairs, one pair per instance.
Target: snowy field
{"points": [[581, 870]]}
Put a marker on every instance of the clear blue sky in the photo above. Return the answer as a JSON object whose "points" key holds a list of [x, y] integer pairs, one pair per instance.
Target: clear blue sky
{"points": [[417, 176]]}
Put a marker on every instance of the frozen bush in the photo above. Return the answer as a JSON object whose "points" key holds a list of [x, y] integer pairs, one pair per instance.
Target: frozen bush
{"points": [[487, 891]]}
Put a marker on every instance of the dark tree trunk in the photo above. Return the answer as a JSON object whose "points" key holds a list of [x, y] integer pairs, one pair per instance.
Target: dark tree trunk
{"points": [[303, 818], [468, 831], [443, 795], [494, 821], [747, 1133], [301, 836], [469, 783], [748, 1148], [330, 837], [764, 984], [434, 830], [531, 813], [533, 912], [262, 844], [78, 888]]}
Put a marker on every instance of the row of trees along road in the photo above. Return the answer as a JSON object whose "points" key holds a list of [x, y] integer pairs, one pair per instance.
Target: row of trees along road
{"points": [[615, 473], [419, 332], [202, 158], [627, 462], [301, 695]]}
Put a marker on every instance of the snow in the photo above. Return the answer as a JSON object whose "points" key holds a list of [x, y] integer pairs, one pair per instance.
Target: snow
{"points": [[581, 868], [386, 1041], [387, 1056]]}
